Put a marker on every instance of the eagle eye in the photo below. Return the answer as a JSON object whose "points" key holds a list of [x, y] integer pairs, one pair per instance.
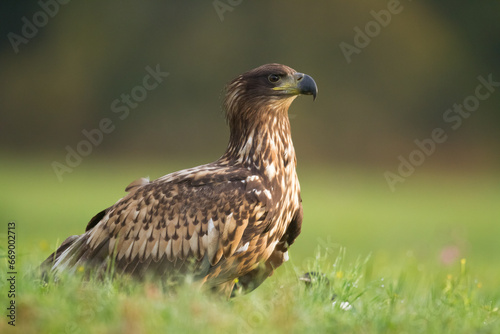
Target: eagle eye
{"points": [[273, 78]]}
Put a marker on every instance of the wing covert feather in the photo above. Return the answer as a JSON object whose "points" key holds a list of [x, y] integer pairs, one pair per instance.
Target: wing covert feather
{"points": [[201, 217]]}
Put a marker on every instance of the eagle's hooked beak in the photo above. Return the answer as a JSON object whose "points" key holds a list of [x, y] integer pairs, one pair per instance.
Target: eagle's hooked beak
{"points": [[298, 83], [306, 84]]}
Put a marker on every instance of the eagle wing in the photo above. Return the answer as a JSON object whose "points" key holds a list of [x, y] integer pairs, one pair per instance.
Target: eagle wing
{"points": [[206, 217]]}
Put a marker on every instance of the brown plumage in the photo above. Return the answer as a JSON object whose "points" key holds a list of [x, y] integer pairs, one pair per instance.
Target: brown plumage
{"points": [[230, 220]]}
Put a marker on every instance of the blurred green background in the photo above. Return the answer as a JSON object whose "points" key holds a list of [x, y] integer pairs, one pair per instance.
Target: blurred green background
{"points": [[370, 109]]}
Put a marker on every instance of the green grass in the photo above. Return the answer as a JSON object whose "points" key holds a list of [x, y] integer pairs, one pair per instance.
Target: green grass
{"points": [[364, 302], [421, 260]]}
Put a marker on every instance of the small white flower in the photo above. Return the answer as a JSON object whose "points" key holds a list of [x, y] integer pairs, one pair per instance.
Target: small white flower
{"points": [[343, 305]]}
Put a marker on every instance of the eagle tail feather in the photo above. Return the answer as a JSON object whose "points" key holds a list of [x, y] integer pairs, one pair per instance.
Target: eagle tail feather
{"points": [[74, 253]]}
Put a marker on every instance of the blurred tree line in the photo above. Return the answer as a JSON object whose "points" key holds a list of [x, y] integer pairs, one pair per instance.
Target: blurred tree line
{"points": [[80, 57]]}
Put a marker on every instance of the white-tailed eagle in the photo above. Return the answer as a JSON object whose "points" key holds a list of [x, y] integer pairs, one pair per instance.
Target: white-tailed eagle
{"points": [[228, 221]]}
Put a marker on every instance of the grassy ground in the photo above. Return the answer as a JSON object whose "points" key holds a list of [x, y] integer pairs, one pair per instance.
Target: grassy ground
{"points": [[421, 260]]}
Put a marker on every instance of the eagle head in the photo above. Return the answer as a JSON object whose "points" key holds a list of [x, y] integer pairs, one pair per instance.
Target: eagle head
{"points": [[265, 88]]}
